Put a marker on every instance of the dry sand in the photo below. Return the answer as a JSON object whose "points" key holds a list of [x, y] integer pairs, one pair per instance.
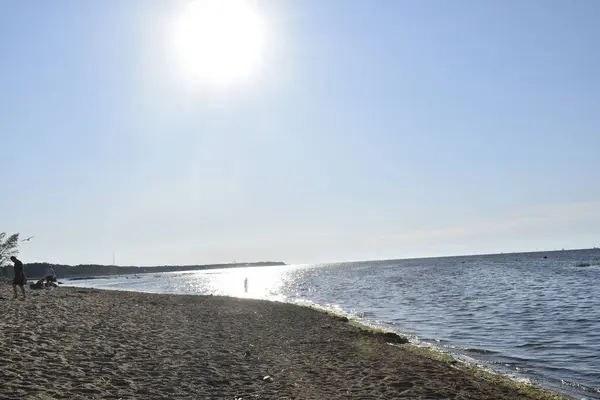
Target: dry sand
{"points": [[88, 344]]}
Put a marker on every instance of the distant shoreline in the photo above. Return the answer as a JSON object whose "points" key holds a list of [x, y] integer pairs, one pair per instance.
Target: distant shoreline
{"points": [[87, 271]]}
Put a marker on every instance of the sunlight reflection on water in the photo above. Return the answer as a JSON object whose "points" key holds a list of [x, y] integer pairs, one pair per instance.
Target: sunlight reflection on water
{"points": [[260, 283]]}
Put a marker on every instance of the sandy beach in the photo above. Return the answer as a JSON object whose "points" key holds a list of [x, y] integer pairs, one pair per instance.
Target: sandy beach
{"points": [[88, 344]]}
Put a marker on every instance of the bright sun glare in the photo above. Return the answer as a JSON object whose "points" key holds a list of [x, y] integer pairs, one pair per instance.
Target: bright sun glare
{"points": [[217, 41]]}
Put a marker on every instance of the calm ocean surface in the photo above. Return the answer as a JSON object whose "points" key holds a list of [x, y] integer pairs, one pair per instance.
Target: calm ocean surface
{"points": [[524, 315]]}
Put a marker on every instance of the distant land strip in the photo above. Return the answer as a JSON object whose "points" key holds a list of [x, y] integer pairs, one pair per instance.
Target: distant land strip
{"points": [[38, 269]]}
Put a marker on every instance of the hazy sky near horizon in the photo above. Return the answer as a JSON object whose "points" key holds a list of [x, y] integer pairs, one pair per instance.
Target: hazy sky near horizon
{"points": [[365, 130]]}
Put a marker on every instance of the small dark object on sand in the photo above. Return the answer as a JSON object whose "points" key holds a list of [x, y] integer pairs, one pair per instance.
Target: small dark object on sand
{"points": [[38, 285], [388, 337], [341, 318]]}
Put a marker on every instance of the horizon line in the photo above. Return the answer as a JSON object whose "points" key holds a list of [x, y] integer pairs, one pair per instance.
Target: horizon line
{"points": [[328, 262]]}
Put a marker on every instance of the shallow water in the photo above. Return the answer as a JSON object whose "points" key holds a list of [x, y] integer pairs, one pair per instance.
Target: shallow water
{"points": [[524, 315]]}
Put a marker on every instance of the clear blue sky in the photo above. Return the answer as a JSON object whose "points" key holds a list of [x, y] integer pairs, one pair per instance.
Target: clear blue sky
{"points": [[375, 129]]}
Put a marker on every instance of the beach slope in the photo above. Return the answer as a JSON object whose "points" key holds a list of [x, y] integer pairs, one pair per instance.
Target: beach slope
{"points": [[89, 344]]}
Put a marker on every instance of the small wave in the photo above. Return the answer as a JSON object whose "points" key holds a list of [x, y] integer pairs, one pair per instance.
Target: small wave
{"points": [[479, 351], [473, 350], [579, 386], [587, 265], [387, 322], [365, 314], [526, 345]]}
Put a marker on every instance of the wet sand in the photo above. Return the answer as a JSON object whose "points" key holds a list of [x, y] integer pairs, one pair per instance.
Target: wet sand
{"points": [[88, 344]]}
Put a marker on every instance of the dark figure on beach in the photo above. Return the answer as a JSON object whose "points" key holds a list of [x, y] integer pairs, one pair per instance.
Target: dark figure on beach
{"points": [[20, 279], [50, 276], [246, 285], [38, 285]]}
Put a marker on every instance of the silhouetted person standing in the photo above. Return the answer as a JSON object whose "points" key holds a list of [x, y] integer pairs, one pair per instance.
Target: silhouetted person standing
{"points": [[19, 279]]}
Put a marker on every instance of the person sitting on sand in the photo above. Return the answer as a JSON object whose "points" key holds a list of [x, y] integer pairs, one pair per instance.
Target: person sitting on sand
{"points": [[50, 275], [38, 285], [20, 279]]}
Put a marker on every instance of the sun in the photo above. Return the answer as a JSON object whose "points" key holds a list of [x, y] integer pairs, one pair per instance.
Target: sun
{"points": [[217, 41]]}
